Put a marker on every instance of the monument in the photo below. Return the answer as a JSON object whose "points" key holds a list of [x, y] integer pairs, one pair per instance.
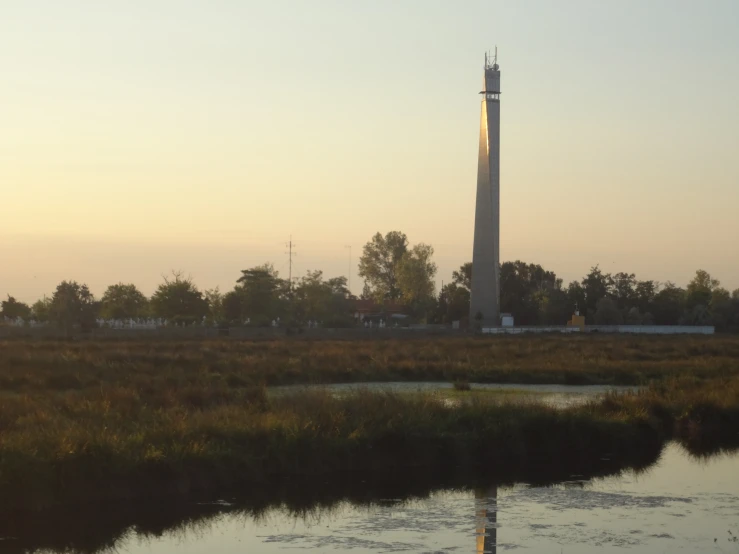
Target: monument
{"points": [[485, 295]]}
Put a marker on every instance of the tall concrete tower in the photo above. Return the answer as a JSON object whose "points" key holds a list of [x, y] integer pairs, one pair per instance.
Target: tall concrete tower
{"points": [[485, 298]]}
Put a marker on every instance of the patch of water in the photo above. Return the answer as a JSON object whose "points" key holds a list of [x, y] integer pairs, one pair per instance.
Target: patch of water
{"points": [[680, 504], [553, 395]]}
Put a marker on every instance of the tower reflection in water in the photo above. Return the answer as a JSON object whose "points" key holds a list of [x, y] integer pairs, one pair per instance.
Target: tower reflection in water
{"points": [[486, 511]]}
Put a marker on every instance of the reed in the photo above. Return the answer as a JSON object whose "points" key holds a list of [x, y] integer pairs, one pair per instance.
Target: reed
{"points": [[28, 366], [102, 421]]}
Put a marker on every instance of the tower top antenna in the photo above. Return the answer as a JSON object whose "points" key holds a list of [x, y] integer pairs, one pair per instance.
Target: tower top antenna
{"points": [[491, 59]]}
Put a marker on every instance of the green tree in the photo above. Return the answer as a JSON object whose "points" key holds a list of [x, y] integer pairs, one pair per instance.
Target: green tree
{"points": [[531, 293], [232, 306], [40, 310], [311, 297], [700, 289], [734, 320], [624, 290], [607, 312], [597, 285], [463, 277], [699, 314], [366, 292], [644, 294], [12, 309], [338, 285], [123, 301], [453, 303], [524, 290], [72, 306], [669, 304], [318, 300], [378, 264], [179, 300], [634, 317], [721, 307], [555, 309], [263, 294], [576, 298], [415, 278], [215, 304]]}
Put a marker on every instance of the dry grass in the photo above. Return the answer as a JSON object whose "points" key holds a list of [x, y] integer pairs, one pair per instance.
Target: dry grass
{"points": [[703, 415], [111, 420], [40, 365], [115, 443]]}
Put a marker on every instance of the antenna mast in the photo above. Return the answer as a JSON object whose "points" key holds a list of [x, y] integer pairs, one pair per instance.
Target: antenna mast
{"points": [[349, 274], [491, 59], [290, 254]]}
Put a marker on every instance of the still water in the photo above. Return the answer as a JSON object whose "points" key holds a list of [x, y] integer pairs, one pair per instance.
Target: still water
{"points": [[679, 504], [554, 395]]}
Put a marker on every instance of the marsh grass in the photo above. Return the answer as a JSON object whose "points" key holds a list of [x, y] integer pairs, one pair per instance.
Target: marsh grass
{"points": [[703, 415], [119, 444], [27, 365], [96, 422]]}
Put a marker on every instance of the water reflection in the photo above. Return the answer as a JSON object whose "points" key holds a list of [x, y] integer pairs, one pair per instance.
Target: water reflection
{"points": [[486, 502], [656, 504]]}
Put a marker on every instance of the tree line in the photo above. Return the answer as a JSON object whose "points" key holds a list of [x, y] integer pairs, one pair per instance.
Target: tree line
{"points": [[536, 296], [394, 271], [259, 297]]}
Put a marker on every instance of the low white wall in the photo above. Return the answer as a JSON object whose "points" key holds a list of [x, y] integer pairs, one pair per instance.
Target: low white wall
{"points": [[654, 329], [638, 329], [519, 330]]}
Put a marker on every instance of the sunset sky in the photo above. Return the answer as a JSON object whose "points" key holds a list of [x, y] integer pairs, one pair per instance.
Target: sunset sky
{"points": [[143, 136]]}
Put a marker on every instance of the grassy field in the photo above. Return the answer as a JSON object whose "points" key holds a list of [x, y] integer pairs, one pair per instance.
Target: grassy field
{"points": [[27, 366], [96, 421]]}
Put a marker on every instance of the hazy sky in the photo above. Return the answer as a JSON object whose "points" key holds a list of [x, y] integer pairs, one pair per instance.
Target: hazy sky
{"points": [[141, 136]]}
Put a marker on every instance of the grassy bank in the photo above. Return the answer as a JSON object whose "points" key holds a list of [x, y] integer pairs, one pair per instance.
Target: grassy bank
{"points": [[702, 415], [118, 443], [30, 366], [95, 421]]}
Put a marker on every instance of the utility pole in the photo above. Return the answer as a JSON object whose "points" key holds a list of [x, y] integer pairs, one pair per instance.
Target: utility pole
{"points": [[349, 274], [290, 254]]}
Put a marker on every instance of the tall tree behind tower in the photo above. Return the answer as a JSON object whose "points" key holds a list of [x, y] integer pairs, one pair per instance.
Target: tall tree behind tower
{"points": [[379, 263]]}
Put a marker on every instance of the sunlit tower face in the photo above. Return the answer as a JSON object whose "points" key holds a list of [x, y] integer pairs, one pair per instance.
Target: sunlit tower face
{"points": [[485, 297]]}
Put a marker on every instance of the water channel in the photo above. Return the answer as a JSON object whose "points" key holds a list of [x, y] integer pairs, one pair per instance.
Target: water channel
{"points": [[680, 504]]}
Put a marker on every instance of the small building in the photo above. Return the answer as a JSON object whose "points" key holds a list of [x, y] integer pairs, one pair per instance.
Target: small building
{"points": [[374, 311], [577, 320]]}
